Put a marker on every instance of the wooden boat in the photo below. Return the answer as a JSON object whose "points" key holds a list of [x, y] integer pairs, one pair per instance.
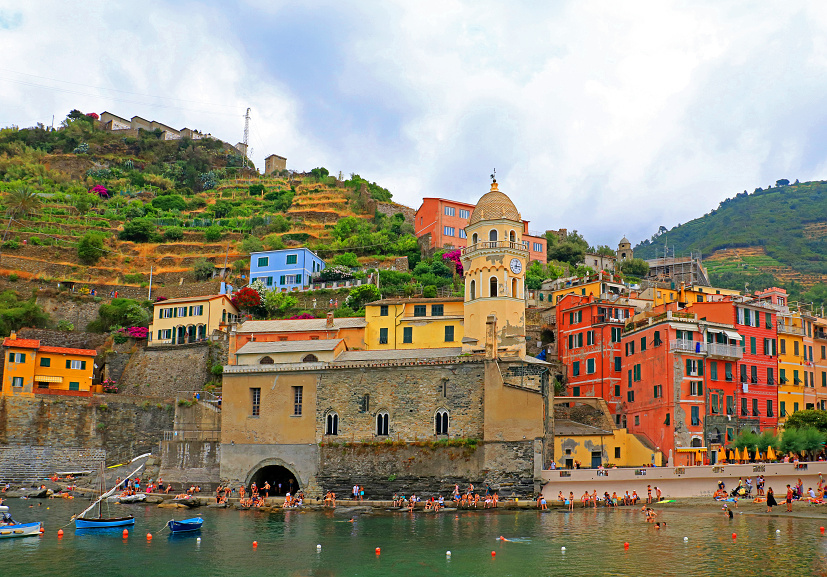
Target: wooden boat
{"points": [[11, 530], [193, 524], [101, 522]]}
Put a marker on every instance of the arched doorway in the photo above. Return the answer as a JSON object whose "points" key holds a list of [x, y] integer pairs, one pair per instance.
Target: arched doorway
{"points": [[281, 479]]}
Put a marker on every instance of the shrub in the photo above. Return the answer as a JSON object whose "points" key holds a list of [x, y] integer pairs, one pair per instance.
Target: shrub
{"points": [[138, 230], [256, 189], [64, 325], [100, 190], [213, 233], [35, 241], [13, 277], [345, 259], [217, 370], [247, 298], [360, 295], [133, 278], [251, 244], [119, 339], [273, 242], [429, 292], [169, 202], [203, 269], [13, 244], [173, 233]]}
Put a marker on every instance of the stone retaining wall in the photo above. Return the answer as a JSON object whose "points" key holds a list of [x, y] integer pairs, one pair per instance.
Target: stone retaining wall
{"points": [[31, 463], [164, 370], [191, 463]]}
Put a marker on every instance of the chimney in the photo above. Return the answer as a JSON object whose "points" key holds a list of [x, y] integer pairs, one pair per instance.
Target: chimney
{"points": [[329, 323], [12, 335]]}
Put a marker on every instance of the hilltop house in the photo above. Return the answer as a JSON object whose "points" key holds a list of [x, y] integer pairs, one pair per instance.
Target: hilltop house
{"points": [[286, 269]]}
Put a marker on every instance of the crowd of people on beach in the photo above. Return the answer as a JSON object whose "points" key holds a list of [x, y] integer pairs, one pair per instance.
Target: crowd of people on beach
{"points": [[793, 493], [606, 500]]}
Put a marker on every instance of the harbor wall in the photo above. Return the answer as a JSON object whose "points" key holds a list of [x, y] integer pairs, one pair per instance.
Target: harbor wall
{"points": [[191, 463]]}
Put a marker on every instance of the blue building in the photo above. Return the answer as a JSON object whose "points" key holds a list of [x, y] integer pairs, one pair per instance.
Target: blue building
{"points": [[289, 268]]}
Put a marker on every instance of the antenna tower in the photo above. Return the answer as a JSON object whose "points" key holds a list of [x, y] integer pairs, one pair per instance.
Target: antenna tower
{"points": [[246, 137]]}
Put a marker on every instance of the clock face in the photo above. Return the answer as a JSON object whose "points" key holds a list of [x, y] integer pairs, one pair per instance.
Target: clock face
{"points": [[516, 265]]}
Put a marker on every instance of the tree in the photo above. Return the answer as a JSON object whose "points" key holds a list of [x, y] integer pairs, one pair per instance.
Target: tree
{"points": [[808, 418], [603, 250], [345, 259], [567, 252], [90, 248], [256, 189], [203, 269], [16, 313], [635, 267], [278, 302], [746, 439], [766, 440], [782, 182], [812, 441], [360, 295], [22, 201], [251, 244], [246, 298], [169, 202], [119, 313], [212, 233], [791, 441], [173, 233], [138, 230]]}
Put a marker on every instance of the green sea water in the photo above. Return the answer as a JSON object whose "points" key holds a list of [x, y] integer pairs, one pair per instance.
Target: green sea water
{"points": [[416, 545]]}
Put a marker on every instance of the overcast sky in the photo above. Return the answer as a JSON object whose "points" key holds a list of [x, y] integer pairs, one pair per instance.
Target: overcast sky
{"points": [[608, 117]]}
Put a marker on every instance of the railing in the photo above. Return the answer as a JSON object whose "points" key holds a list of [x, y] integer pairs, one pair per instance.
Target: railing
{"points": [[685, 346], [605, 319], [721, 350], [494, 244], [192, 435], [790, 330], [64, 392], [821, 335]]}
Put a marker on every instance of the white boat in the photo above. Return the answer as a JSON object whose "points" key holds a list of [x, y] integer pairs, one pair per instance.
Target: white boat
{"points": [[9, 529]]}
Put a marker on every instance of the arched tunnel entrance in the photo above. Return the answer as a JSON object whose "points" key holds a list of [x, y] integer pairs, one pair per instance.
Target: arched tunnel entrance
{"points": [[281, 480]]}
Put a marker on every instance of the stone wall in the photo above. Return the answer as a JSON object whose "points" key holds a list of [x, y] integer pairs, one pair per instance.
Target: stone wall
{"points": [[164, 370], [78, 340], [28, 463], [391, 208], [123, 427], [191, 463], [78, 311]]}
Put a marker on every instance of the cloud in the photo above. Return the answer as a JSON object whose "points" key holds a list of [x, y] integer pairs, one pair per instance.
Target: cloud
{"points": [[610, 118]]}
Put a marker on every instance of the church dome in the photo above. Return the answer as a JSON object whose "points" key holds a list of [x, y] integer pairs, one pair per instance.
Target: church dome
{"points": [[494, 205], [625, 240]]}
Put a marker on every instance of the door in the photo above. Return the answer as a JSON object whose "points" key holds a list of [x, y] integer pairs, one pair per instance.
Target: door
{"points": [[597, 459]]}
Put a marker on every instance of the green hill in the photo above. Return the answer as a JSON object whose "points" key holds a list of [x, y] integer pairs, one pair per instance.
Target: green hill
{"points": [[773, 236]]}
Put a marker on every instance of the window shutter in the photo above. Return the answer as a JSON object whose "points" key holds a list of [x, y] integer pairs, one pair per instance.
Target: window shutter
{"points": [[701, 368], [68, 364], [83, 365], [688, 367], [11, 357], [175, 312], [701, 390]]}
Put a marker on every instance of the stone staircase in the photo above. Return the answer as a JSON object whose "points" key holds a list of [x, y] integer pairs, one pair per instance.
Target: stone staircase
{"points": [[27, 463]]}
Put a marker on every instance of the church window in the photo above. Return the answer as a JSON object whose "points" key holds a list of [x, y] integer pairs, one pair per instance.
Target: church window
{"points": [[441, 422], [492, 235], [473, 289], [474, 238], [332, 424], [512, 237], [492, 286], [310, 359], [382, 421], [266, 361], [514, 288]]}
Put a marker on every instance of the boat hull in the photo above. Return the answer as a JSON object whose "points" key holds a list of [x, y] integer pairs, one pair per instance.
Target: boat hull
{"points": [[104, 523], [186, 525], [20, 530]]}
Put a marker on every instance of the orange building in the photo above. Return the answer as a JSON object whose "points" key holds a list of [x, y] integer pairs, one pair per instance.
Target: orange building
{"points": [[351, 330], [445, 220], [34, 369]]}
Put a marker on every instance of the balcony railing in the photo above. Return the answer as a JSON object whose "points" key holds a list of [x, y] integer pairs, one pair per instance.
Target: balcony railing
{"points": [[495, 244], [790, 330], [607, 319], [721, 350], [685, 346]]}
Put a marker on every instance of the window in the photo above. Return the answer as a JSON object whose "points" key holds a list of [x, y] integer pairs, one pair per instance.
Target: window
{"points": [[617, 452], [769, 401], [311, 358], [782, 409], [181, 311], [492, 286], [538, 247], [744, 411], [728, 371], [297, 400], [73, 386], [795, 348], [575, 391], [282, 280], [637, 371], [263, 261], [782, 376], [657, 342], [768, 320], [17, 381], [823, 352], [642, 344], [770, 376], [492, 235], [617, 390], [752, 347], [450, 211], [713, 370], [713, 404], [696, 388], [590, 366], [382, 421], [437, 310], [364, 403], [637, 420], [164, 334], [198, 310], [292, 259], [630, 396], [753, 370], [796, 380], [629, 374], [331, 424], [616, 334], [268, 281], [694, 368], [462, 233], [449, 231], [754, 407], [45, 361], [165, 314], [694, 412], [77, 365], [658, 391], [668, 419], [474, 239], [383, 310], [473, 290], [575, 369], [730, 405], [420, 310], [407, 335], [783, 346], [255, 395], [617, 364], [441, 422], [266, 361], [383, 336], [20, 358], [449, 334], [589, 337], [743, 373], [823, 379]]}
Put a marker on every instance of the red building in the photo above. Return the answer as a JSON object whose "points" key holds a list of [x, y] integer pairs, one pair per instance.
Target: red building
{"points": [[445, 221], [589, 336]]}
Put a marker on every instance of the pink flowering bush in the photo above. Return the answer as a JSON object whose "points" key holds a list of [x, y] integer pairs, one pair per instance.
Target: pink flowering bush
{"points": [[93, 115], [160, 298], [302, 316], [110, 386], [100, 190], [454, 257], [135, 332]]}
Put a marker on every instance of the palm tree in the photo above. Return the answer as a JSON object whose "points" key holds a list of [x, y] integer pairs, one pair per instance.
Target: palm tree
{"points": [[22, 201]]}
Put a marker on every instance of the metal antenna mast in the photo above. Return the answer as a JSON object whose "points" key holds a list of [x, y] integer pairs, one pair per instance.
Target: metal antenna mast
{"points": [[246, 137]]}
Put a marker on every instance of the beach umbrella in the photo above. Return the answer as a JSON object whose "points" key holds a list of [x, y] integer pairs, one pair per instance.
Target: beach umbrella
{"points": [[770, 454], [744, 454], [731, 456]]}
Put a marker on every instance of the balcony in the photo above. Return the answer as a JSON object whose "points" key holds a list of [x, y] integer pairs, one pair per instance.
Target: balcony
{"points": [[724, 351], [495, 245], [599, 319], [790, 330], [684, 346]]}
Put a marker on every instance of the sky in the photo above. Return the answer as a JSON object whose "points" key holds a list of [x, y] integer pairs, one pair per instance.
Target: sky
{"points": [[610, 118]]}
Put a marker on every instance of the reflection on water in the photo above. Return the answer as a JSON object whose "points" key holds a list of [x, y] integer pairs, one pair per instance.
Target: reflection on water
{"points": [[417, 545]]}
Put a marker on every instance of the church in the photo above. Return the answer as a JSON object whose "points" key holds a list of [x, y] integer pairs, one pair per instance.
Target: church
{"points": [[315, 416]]}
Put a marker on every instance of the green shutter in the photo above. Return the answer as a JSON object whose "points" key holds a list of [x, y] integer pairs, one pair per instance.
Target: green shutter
{"points": [[68, 364], [83, 365], [11, 357], [688, 367], [701, 367]]}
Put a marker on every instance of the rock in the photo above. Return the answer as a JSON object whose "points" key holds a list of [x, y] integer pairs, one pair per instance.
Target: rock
{"points": [[154, 499], [171, 506], [28, 493], [218, 505], [352, 510]]}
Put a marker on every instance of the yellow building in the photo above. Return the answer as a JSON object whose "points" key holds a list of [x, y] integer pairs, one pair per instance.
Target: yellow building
{"points": [[593, 447], [596, 285], [34, 369], [419, 323], [189, 319], [820, 362], [494, 263], [794, 374]]}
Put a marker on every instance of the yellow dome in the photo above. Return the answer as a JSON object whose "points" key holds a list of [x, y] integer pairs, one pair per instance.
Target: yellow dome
{"points": [[494, 205]]}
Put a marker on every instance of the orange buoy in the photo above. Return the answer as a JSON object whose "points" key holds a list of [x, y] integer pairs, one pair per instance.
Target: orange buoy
{"points": [[378, 551], [125, 533], [493, 553], [734, 535], [60, 532], [149, 536], [822, 530], [626, 545], [255, 543]]}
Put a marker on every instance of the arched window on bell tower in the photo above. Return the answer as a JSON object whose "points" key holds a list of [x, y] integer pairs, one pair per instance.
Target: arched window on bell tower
{"points": [[473, 289], [474, 238], [492, 286], [492, 235], [512, 237], [514, 288]]}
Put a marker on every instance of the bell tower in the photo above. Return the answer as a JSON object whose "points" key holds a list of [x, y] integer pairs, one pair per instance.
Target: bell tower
{"points": [[494, 263]]}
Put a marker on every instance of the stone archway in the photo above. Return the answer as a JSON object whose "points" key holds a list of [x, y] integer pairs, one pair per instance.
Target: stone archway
{"points": [[275, 472]]}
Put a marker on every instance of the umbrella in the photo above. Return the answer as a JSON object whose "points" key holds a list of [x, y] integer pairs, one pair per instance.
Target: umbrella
{"points": [[770, 454], [744, 454], [731, 457]]}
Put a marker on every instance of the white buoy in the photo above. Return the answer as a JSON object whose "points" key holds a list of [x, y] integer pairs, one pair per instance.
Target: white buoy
{"points": [[778, 530], [685, 539], [447, 553], [318, 547], [563, 549], [198, 540]]}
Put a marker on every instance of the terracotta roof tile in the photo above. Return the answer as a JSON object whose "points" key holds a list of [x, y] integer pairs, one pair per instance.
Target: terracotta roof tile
{"points": [[21, 343], [69, 351]]}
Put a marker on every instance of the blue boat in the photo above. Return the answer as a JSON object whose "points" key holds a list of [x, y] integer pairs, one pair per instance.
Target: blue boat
{"points": [[193, 524], [9, 528], [100, 523]]}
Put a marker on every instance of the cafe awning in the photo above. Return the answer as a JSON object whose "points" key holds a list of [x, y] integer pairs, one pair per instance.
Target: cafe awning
{"points": [[47, 379]]}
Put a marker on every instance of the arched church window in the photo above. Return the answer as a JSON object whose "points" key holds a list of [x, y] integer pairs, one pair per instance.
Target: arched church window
{"points": [[473, 289], [441, 422], [492, 235], [512, 237], [492, 286], [266, 361], [382, 422], [331, 424]]}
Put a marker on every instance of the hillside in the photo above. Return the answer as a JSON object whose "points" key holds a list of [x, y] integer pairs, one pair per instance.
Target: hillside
{"points": [[88, 205], [772, 236]]}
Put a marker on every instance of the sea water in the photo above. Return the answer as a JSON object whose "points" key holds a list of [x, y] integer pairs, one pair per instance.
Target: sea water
{"points": [[416, 544]]}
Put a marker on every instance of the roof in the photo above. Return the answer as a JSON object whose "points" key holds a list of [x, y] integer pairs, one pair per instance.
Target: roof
{"points": [[255, 348], [276, 155], [416, 300], [625, 240], [21, 343], [299, 325], [565, 427], [69, 351], [294, 249], [457, 202], [396, 354], [191, 299], [494, 205]]}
